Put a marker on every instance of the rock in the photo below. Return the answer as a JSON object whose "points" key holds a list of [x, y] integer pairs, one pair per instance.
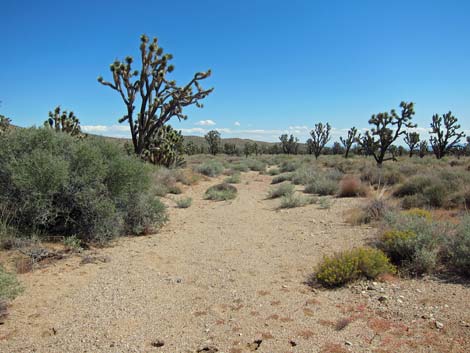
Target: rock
{"points": [[383, 298], [208, 349], [292, 343], [439, 325], [347, 343], [158, 343]]}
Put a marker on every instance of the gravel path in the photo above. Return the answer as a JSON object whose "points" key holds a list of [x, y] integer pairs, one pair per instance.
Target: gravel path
{"points": [[220, 275]]}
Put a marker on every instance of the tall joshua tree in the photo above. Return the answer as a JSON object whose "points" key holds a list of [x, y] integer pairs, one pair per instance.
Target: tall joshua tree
{"points": [[320, 137], [213, 140], [349, 141], [4, 123], [151, 99], [412, 140], [387, 128], [64, 121], [289, 144], [444, 134]]}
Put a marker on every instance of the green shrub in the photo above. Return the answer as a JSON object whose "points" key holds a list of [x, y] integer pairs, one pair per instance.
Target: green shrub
{"points": [[9, 285], [414, 201], [435, 194], [413, 242], [240, 167], [322, 186], [289, 166], [281, 178], [458, 248], [233, 179], [387, 175], [348, 266], [418, 212], [210, 168], [184, 202], [221, 192], [324, 203], [85, 187], [256, 165], [282, 190], [175, 190], [293, 200], [274, 171]]}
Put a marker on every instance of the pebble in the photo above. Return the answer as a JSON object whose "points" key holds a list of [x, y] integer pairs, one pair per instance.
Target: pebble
{"points": [[439, 325], [347, 343]]}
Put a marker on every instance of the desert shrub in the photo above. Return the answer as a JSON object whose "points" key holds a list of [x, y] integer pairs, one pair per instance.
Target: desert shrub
{"points": [[174, 189], [233, 179], [418, 212], [184, 202], [373, 210], [322, 186], [387, 175], [294, 200], [435, 194], [73, 243], [324, 203], [211, 168], [413, 242], [221, 192], [458, 248], [289, 166], [9, 285], [412, 186], [281, 178], [460, 199], [256, 165], [348, 266], [274, 171], [240, 167], [414, 201], [85, 187], [350, 186], [282, 190], [304, 175]]}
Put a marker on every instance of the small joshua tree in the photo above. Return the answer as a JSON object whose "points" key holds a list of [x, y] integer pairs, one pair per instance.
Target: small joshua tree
{"points": [[166, 148], [412, 140], [230, 149], [423, 148], [4, 124], [64, 121], [444, 134], [349, 141], [213, 140], [320, 137], [190, 148], [151, 99], [387, 128], [309, 146], [289, 144], [247, 149]]}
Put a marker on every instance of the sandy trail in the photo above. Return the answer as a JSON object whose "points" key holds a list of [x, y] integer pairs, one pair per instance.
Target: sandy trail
{"points": [[219, 274]]}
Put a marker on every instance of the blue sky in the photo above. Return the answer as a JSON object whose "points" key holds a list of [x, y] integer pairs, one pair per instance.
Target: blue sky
{"points": [[278, 66]]}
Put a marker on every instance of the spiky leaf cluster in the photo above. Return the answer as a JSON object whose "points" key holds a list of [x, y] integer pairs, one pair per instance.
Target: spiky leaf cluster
{"points": [[63, 121], [166, 148], [444, 134], [151, 98]]}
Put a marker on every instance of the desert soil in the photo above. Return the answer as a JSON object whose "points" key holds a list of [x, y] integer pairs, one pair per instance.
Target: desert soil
{"points": [[232, 277]]}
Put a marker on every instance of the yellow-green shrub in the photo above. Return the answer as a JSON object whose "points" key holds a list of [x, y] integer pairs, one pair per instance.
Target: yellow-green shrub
{"points": [[348, 266], [418, 212]]}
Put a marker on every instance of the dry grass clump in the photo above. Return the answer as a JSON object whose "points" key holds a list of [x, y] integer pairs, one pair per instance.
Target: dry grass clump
{"points": [[184, 202], [294, 200], [233, 179], [283, 189], [221, 192], [351, 186]]}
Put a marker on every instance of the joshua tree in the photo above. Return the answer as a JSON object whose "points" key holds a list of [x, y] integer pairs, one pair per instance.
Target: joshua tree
{"points": [[387, 127], [4, 124], [247, 149], [190, 148], [337, 148], [289, 144], [64, 122], [309, 146], [444, 138], [349, 141], [213, 140], [166, 148], [230, 149], [423, 148], [412, 140], [156, 98], [320, 137]]}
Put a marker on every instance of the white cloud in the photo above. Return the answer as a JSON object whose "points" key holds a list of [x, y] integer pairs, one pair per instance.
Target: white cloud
{"points": [[236, 123], [107, 130], [205, 122]]}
